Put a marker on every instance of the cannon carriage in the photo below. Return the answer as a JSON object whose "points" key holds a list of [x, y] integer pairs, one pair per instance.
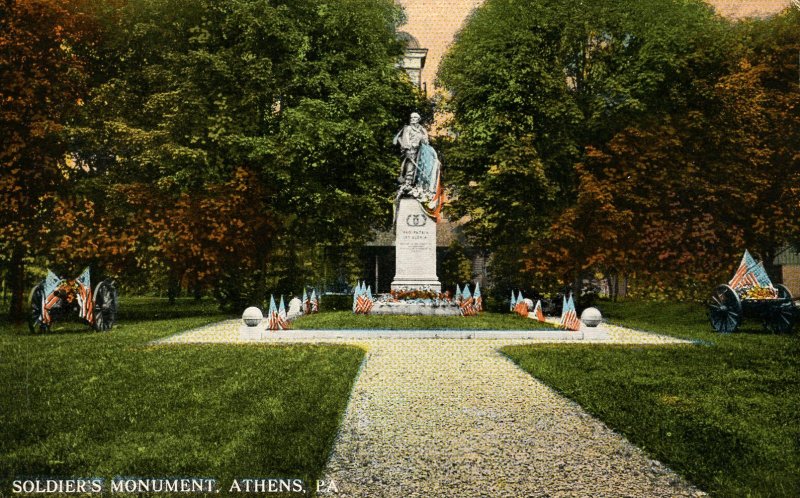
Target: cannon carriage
{"points": [[751, 295], [56, 298]]}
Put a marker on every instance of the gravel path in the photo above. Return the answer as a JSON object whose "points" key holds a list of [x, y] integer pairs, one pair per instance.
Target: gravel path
{"points": [[454, 417]]}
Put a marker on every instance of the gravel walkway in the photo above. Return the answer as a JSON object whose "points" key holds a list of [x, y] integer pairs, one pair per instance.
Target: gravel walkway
{"points": [[454, 417]]}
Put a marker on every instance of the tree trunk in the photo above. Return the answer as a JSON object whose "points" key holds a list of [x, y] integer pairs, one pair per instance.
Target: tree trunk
{"points": [[174, 285], [16, 281]]}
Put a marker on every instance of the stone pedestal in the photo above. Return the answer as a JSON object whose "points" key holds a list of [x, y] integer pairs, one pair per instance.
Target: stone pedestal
{"points": [[415, 248]]}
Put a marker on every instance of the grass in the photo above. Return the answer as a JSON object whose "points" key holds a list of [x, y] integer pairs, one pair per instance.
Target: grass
{"points": [[484, 321], [724, 412], [81, 403]]}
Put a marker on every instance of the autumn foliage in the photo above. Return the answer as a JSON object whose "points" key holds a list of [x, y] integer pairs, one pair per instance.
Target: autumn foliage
{"points": [[669, 146], [42, 83]]}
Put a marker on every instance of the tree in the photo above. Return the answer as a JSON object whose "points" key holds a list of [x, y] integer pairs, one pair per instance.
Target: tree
{"points": [[554, 106], [301, 98], [43, 84], [677, 200]]}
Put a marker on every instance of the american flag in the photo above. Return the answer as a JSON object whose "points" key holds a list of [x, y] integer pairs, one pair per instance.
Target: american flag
{"points": [[435, 205], [356, 293], [306, 303], [537, 311], [467, 307], [362, 303], [478, 299], [569, 317], [49, 298], [274, 320], [283, 319], [314, 301], [85, 305], [513, 301], [750, 273]]}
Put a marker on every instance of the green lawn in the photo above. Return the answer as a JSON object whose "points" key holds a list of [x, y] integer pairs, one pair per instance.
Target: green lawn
{"points": [[724, 412], [484, 321], [81, 403]]}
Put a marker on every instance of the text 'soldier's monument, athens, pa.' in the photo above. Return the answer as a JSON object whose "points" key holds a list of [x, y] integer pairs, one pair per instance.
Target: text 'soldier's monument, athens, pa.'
{"points": [[417, 210]]}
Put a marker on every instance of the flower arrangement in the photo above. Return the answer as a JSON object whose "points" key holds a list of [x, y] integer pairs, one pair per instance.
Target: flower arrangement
{"points": [[757, 292], [67, 290], [405, 295]]}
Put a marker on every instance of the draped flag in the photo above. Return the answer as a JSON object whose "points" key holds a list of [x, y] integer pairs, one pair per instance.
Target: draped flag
{"points": [[306, 303], [49, 298], [458, 294], [84, 294], [749, 273], [521, 308], [513, 301], [477, 297], [314, 301], [283, 319], [569, 317], [429, 178], [537, 311]]}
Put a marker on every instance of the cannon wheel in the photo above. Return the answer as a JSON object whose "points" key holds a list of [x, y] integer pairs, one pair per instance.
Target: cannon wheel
{"points": [[781, 319], [725, 309], [105, 305], [35, 323]]}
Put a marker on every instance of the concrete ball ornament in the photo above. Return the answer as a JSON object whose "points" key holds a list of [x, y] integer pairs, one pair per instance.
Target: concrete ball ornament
{"points": [[252, 316], [591, 317]]}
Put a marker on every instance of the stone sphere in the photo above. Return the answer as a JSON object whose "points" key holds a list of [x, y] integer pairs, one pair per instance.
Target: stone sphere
{"points": [[252, 316], [591, 317]]}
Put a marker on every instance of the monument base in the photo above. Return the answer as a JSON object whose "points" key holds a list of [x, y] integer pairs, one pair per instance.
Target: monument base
{"points": [[416, 284], [402, 308], [415, 248]]}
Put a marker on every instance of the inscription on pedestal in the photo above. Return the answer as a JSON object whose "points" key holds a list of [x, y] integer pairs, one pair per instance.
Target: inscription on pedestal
{"points": [[415, 248]]}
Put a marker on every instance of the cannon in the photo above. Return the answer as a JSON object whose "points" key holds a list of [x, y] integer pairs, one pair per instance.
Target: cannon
{"points": [[56, 298], [727, 310], [750, 294]]}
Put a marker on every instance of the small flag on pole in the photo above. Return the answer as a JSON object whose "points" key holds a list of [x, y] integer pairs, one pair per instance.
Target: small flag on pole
{"points": [[283, 320], [272, 314], [748, 273], [85, 305], [521, 307], [477, 297], [49, 299], [537, 311], [513, 301], [467, 304], [314, 301], [569, 317]]}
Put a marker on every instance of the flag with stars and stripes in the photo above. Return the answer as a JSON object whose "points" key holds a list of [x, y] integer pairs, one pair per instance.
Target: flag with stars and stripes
{"points": [[569, 317], [467, 303], [84, 295], [521, 307], [537, 311], [49, 298], [749, 273], [314, 301], [274, 320]]}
